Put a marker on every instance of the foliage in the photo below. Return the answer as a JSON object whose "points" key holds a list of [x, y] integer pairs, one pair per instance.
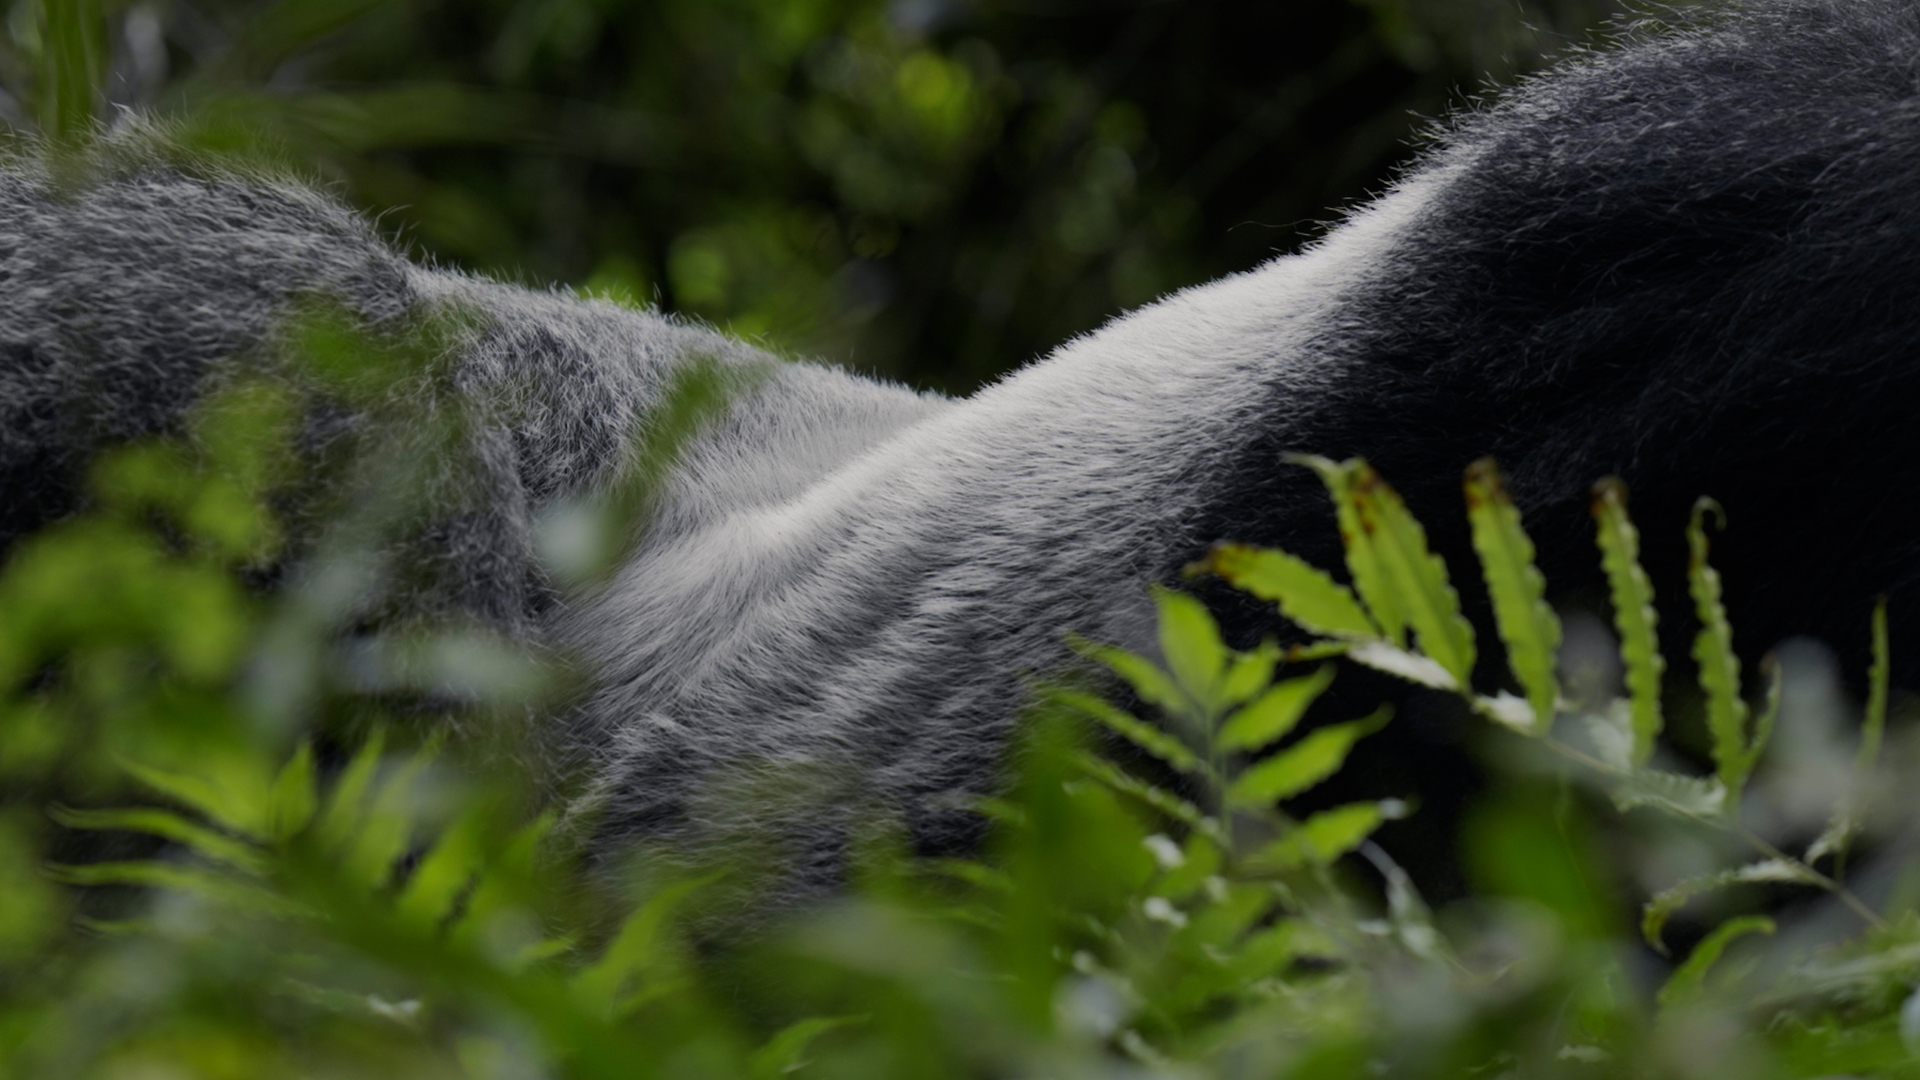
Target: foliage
{"points": [[933, 189], [240, 838], [340, 889]]}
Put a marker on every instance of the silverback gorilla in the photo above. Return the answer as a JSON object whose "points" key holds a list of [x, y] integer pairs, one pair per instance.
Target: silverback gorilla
{"points": [[1692, 260]]}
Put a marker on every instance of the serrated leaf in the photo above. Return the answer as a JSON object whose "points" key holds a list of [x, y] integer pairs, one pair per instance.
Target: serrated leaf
{"points": [[1199, 861], [1249, 673], [1306, 595], [294, 797], [167, 825], [1509, 710], [1148, 679], [1836, 837], [1265, 953], [445, 870], [638, 951], [1713, 652], [1302, 765], [1690, 977], [1412, 667], [1692, 796], [1610, 732], [1633, 613], [1528, 627], [345, 803], [387, 826], [1654, 916], [1133, 729], [190, 880], [1156, 798], [1417, 576], [503, 882], [1370, 578], [1273, 714], [1321, 838], [227, 792], [1190, 641]]}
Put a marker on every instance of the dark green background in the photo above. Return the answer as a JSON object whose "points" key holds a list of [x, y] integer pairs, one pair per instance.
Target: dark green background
{"points": [[931, 190]]}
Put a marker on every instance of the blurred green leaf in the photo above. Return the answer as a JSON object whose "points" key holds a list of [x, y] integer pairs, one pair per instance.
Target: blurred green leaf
{"points": [[1653, 918], [1136, 731], [1689, 979], [210, 843], [1321, 838], [784, 1053]]}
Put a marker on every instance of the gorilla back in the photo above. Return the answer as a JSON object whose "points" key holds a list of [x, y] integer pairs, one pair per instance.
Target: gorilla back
{"points": [[1693, 261]]}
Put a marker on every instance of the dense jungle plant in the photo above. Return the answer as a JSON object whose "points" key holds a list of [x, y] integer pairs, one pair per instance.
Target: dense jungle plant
{"points": [[391, 902]]}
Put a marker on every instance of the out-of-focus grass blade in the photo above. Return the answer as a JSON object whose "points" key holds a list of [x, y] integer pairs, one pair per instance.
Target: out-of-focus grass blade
{"points": [[1771, 675], [226, 790], [1690, 978], [340, 818], [1713, 652], [1156, 798], [782, 1054], [1875, 722], [1633, 614], [444, 872], [507, 877], [1653, 918], [74, 35], [1306, 595], [295, 796], [1370, 578], [1273, 714], [291, 25], [216, 885], [1528, 627], [1417, 576], [1302, 765], [167, 825], [387, 825], [640, 950], [1846, 821]]}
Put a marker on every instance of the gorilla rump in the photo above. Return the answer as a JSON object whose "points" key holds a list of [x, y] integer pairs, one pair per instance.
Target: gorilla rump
{"points": [[1693, 261]]}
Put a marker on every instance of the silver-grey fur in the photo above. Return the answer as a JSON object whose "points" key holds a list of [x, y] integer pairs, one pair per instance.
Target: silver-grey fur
{"points": [[1689, 260]]}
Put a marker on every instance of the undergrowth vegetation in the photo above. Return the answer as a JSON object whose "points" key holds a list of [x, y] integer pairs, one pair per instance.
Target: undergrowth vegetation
{"points": [[239, 839], [236, 843]]}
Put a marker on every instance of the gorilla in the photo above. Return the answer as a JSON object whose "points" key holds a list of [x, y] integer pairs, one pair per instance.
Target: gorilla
{"points": [[1692, 260]]}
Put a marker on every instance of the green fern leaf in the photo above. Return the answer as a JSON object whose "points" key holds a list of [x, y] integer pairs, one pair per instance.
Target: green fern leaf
{"points": [[1633, 614], [1528, 627]]}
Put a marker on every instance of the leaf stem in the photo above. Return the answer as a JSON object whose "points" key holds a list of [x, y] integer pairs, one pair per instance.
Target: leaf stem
{"points": [[1754, 840]]}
